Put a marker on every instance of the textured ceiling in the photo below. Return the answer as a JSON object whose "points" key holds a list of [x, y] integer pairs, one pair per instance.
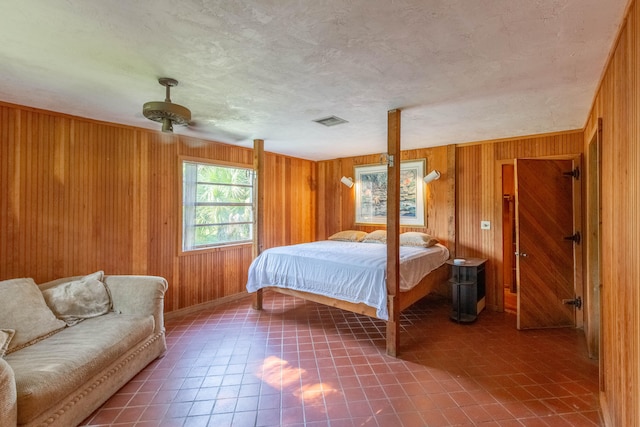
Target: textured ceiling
{"points": [[460, 70]]}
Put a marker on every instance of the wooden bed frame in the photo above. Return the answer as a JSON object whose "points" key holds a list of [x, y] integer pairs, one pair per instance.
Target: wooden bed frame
{"points": [[405, 299], [408, 298], [396, 300]]}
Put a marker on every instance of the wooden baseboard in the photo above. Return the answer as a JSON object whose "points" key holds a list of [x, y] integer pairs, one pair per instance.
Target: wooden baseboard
{"points": [[204, 306]]}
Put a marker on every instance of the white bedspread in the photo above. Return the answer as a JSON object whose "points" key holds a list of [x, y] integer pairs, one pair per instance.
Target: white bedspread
{"points": [[354, 272]]}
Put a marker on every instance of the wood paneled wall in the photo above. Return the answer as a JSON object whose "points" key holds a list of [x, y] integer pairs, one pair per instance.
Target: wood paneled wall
{"points": [[617, 102], [479, 195], [336, 202], [290, 200], [78, 196]]}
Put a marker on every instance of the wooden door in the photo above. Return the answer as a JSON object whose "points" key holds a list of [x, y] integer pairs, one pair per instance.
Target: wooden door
{"points": [[545, 261]]}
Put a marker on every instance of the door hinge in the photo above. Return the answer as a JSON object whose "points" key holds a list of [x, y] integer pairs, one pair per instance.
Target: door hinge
{"points": [[574, 173], [576, 302], [575, 237]]}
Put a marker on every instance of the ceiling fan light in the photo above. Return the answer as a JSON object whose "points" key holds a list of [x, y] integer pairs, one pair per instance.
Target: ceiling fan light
{"points": [[158, 111], [167, 125]]}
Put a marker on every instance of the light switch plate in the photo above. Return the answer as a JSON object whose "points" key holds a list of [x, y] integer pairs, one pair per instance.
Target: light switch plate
{"points": [[485, 225]]}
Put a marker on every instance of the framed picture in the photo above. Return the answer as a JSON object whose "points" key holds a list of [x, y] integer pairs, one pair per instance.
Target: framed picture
{"points": [[371, 193]]}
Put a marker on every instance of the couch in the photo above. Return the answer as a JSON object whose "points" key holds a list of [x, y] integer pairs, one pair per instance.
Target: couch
{"points": [[66, 346]]}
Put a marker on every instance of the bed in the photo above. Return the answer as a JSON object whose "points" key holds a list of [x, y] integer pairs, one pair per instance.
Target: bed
{"points": [[348, 275], [396, 298]]}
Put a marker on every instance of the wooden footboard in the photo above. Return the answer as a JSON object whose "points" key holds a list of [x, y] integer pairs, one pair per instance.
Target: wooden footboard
{"points": [[429, 283], [359, 308]]}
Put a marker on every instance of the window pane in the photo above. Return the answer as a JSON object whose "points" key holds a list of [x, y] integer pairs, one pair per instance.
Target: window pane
{"points": [[223, 175], [218, 234], [223, 214], [210, 193]]}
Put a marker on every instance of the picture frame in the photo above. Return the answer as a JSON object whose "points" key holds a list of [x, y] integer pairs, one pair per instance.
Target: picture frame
{"points": [[371, 193]]}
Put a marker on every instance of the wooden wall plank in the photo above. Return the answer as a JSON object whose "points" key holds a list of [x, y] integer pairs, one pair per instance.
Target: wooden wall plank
{"points": [[617, 103]]}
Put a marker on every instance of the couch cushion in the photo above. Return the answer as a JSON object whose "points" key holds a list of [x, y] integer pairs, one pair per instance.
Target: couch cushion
{"points": [[22, 308], [76, 300], [49, 370]]}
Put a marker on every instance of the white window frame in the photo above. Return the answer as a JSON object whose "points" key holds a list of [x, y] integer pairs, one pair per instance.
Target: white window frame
{"points": [[188, 191]]}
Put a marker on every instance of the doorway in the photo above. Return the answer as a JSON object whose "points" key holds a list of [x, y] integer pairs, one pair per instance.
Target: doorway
{"points": [[509, 283]]}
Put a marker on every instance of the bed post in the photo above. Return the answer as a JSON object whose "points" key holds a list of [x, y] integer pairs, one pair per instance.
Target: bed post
{"points": [[258, 209], [393, 231]]}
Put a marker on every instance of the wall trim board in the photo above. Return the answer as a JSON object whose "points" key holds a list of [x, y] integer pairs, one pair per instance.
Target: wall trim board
{"points": [[171, 315], [519, 138]]}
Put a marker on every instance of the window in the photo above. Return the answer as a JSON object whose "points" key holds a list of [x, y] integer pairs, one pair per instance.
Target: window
{"points": [[217, 204]]}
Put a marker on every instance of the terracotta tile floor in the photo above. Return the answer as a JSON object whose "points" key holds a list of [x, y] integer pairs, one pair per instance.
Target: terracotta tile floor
{"points": [[302, 364]]}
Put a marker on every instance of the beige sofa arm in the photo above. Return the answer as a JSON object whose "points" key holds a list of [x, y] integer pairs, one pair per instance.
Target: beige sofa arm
{"points": [[8, 396], [143, 295]]}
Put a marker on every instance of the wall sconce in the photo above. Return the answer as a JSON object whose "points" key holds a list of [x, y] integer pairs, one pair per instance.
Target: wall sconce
{"points": [[347, 181], [431, 176]]}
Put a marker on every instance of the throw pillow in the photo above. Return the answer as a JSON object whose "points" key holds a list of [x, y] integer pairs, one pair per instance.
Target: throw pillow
{"points": [[348, 236], [378, 236], [415, 238], [22, 308], [80, 299], [5, 339]]}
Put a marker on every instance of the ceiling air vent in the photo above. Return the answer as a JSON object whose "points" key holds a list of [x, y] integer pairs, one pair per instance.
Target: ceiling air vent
{"points": [[331, 121]]}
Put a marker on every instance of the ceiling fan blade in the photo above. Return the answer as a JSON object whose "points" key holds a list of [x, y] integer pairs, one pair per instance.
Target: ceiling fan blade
{"points": [[211, 131]]}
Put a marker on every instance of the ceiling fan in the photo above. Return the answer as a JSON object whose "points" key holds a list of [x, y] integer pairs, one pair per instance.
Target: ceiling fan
{"points": [[167, 112]]}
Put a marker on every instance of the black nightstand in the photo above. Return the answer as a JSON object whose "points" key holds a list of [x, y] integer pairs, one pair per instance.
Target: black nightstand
{"points": [[467, 289]]}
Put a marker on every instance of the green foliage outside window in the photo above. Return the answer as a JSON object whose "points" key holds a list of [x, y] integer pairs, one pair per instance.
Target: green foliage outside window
{"points": [[217, 204]]}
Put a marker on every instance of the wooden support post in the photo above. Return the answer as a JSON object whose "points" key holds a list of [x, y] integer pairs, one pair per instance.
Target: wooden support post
{"points": [[258, 209], [393, 232], [451, 199], [257, 300]]}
